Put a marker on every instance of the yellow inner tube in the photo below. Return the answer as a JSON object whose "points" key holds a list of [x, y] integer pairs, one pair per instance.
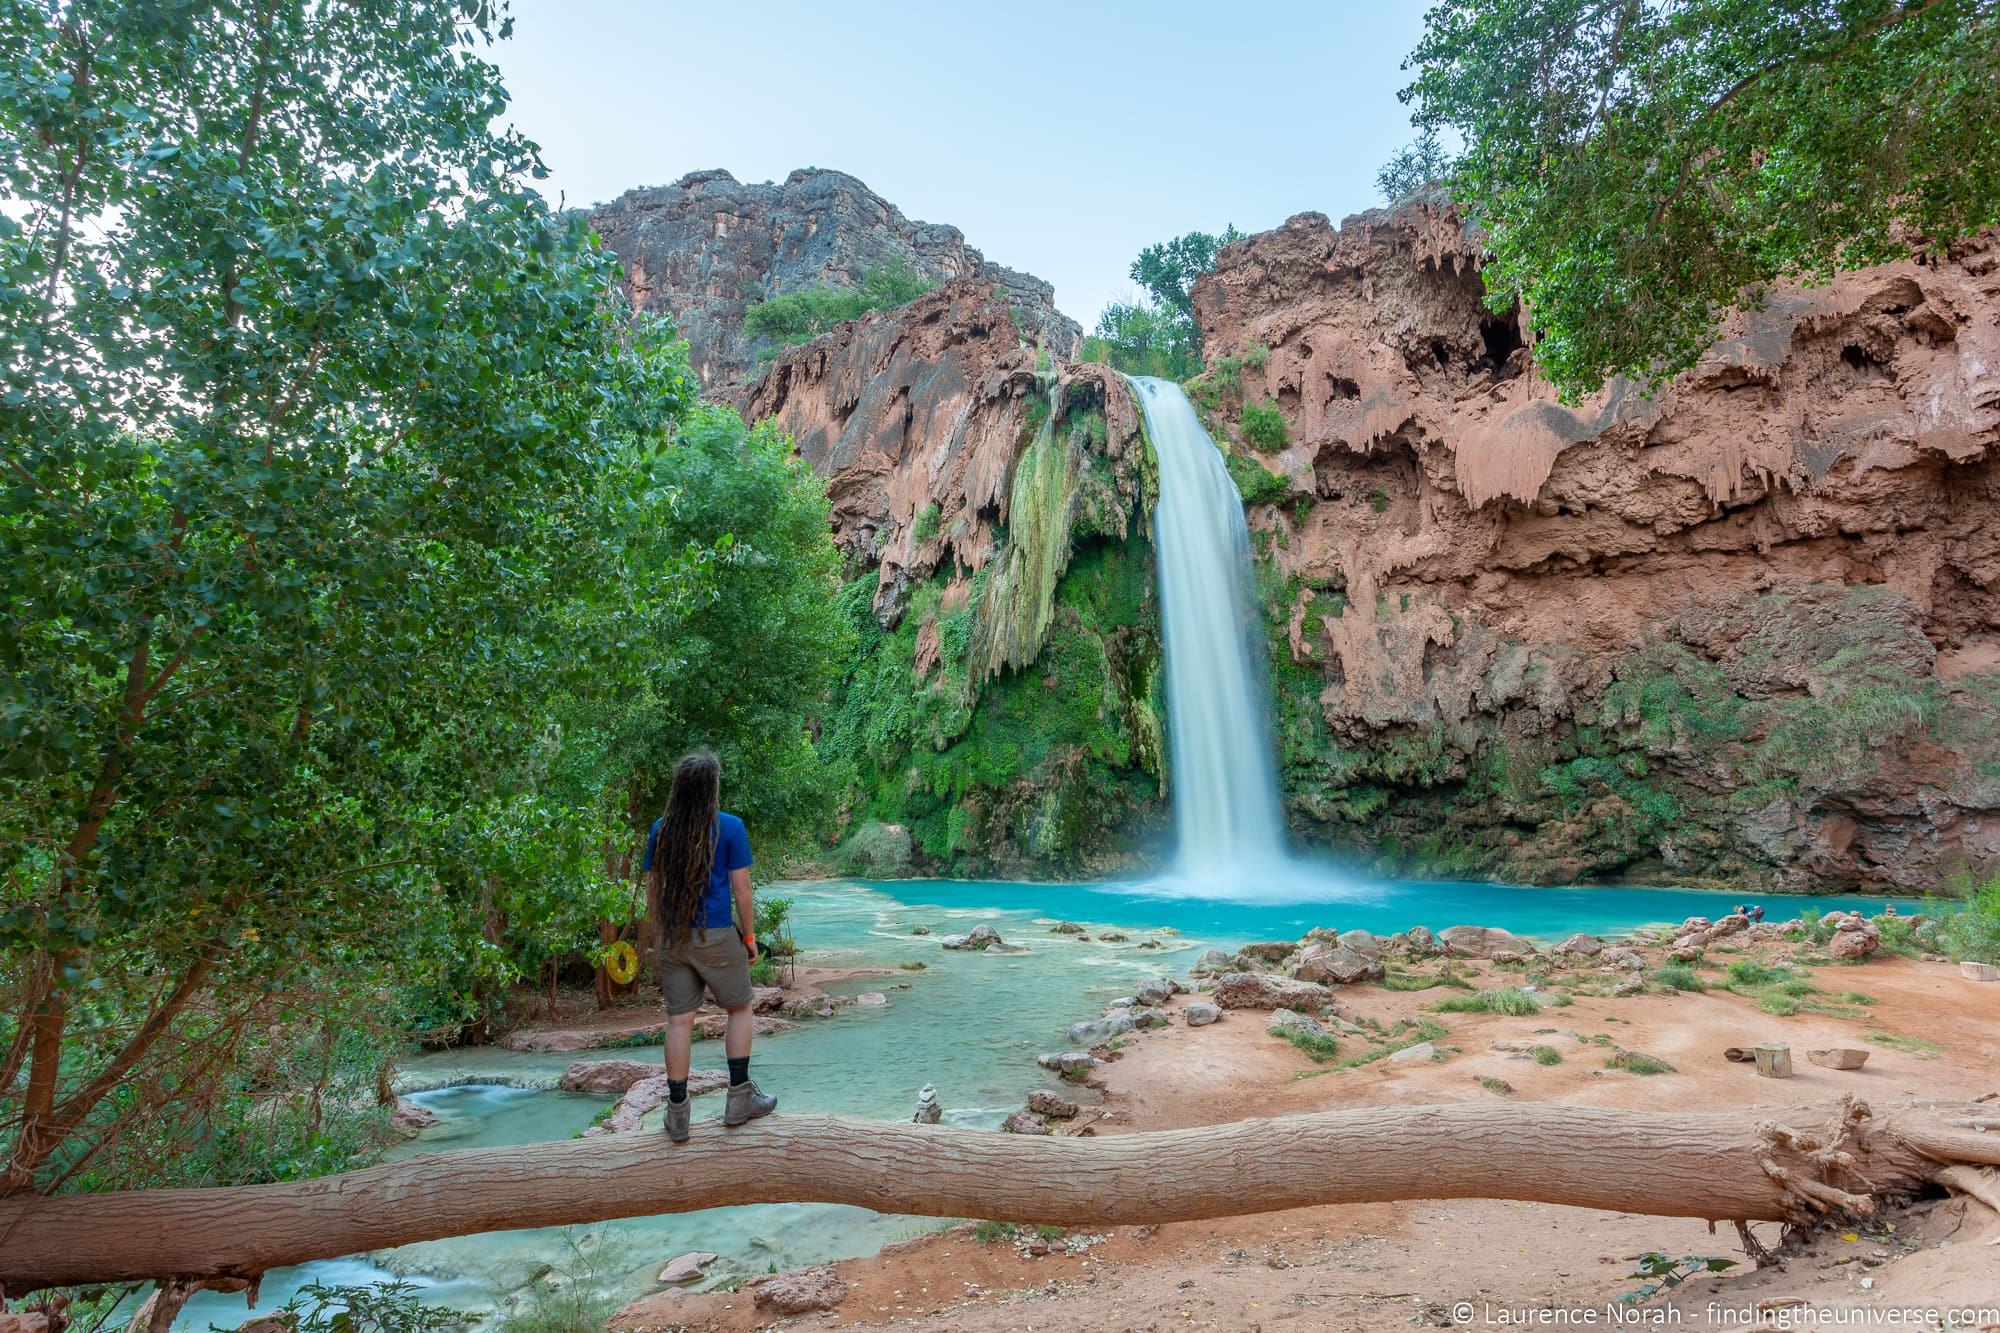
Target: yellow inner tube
{"points": [[621, 963]]}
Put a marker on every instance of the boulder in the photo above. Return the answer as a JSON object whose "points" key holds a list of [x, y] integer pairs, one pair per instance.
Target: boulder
{"points": [[920, 930], [1925, 935], [1854, 937], [1024, 1122], [1153, 992], [1421, 942], [408, 1117], [651, 1093], [1629, 960], [1361, 942], [1097, 1031], [1259, 990], [1114, 937], [1070, 1064], [1049, 1102], [608, 1078], [766, 999], [709, 1026], [1336, 965], [1212, 961], [1267, 951], [1066, 928], [871, 999], [801, 1291], [18, 1321], [980, 938], [1975, 971], [1201, 1014], [1421, 1053], [1630, 986], [1291, 1020], [1483, 942], [686, 1267], [1143, 1019], [1580, 945]]}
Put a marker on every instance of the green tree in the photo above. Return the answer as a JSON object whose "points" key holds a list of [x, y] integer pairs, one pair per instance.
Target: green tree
{"points": [[1640, 168], [1158, 335], [315, 427], [1420, 164]]}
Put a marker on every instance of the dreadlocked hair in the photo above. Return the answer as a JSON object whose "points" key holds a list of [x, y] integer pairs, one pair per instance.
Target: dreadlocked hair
{"points": [[685, 850]]}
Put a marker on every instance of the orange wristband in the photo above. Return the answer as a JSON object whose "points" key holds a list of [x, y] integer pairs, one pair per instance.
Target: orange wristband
{"points": [[751, 939]]}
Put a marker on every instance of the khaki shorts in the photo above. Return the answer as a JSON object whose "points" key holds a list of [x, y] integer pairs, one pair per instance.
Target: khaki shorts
{"points": [[712, 958]]}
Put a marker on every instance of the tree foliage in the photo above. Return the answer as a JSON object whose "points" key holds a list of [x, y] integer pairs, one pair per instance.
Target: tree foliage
{"points": [[1418, 165], [1157, 335], [1639, 168], [346, 514], [798, 317]]}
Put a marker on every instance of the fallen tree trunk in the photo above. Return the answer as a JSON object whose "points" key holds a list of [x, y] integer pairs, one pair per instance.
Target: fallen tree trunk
{"points": [[1720, 1166]]}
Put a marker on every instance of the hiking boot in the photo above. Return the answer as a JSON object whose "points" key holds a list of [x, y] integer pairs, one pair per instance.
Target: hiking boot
{"points": [[678, 1114], [746, 1103]]}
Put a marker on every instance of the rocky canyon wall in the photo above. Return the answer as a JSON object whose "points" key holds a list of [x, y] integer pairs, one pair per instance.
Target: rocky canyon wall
{"points": [[707, 247], [1003, 713], [1745, 631]]}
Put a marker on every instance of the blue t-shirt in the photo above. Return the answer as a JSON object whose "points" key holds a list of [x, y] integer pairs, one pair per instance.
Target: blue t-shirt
{"points": [[732, 852]]}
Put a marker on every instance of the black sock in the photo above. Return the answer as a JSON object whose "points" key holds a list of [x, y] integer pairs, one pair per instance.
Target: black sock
{"points": [[677, 1090], [739, 1069]]}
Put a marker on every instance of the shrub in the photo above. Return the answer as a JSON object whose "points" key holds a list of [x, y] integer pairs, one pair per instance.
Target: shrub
{"points": [[1745, 974], [1679, 976], [986, 1233], [1638, 1062], [925, 526], [1263, 427], [1318, 1046], [1511, 1001], [1546, 1055], [1257, 484], [387, 1307], [1973, 933]]}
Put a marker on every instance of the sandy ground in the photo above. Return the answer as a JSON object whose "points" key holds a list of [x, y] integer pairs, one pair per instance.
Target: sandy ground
{"points": [[1476, 1264]]}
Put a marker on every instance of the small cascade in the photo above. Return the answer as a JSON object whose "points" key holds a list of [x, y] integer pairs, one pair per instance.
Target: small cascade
{"points": [[1224, 774]]}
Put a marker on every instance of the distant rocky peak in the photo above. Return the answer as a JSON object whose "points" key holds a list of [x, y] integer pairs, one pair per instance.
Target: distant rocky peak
{"points": [[707, 247]]}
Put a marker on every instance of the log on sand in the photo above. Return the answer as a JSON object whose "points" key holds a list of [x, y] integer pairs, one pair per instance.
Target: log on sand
{"points": [[1814, 1162]]}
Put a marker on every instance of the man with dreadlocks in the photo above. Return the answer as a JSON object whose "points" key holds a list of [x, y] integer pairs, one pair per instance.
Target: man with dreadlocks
{"points": [[697, 863]]}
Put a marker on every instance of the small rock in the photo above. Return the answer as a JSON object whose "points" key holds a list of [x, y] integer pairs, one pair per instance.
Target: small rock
{"points": [[1114, 937], [1974, 971], [799, 1292], [1627, 959], [686, 1267], [871, 999], [1854, 936], [1422, 942], [1066, 928], [1268, 951], [1148, 1018], [1580, 945], [1628, 987], [1201, 1014], [1154, 991], [408, 1117], [1423, 1051], [920, 930], [929, 1109], [1070, 1064], [1049, 1102]]}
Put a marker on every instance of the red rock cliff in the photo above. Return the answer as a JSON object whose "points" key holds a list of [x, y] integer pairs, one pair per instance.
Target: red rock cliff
{"points": [[1745, 631]]}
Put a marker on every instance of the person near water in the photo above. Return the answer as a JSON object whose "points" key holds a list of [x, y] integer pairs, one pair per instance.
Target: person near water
{"points": [[697, 866]]}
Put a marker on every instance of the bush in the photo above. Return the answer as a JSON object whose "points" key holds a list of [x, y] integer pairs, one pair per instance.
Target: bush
{"points": [[1263, 427], [1973, 933], [1546, 1055], [1257, 484], [1638, 1062], [1511, 1001], [388, 1307], [1317, 1045], [986, 1233], [1679, 976], [926, 525], [1744, 974]]}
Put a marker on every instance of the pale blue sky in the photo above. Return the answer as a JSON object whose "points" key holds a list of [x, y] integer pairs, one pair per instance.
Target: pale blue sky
{"points": [[1060, 138]]}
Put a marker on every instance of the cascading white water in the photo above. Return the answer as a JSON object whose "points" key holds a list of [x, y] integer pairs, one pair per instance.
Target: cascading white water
{"points": [[1224, 777]]}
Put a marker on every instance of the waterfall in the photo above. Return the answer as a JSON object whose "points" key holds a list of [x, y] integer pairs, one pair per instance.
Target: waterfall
{"points": [[1224, 776]]}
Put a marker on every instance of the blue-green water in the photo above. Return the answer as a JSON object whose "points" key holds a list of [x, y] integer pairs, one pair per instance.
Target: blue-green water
{"points": [[969, 1023]]}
